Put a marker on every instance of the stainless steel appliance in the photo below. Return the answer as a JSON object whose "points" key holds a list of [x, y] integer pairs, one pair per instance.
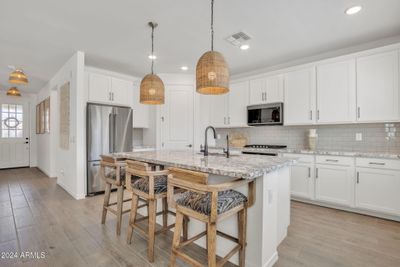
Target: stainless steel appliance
{"points": [[266, 150], [109, 129], [265, 114]]}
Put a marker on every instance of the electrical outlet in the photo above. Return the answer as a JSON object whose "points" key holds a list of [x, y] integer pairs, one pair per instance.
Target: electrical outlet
{"points": [[358, 136]]}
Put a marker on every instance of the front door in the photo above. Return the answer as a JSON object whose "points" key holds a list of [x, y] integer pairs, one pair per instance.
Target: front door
{"points": [[177, 117], [14, 134]]}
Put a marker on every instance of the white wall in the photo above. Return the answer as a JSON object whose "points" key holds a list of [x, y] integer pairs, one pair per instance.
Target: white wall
{"points": [[67, 165]]}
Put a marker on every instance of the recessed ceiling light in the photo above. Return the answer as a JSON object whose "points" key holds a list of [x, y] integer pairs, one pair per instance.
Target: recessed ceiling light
{"points": [[152, 56], [353, 10], [185, 68], [244, 46]]}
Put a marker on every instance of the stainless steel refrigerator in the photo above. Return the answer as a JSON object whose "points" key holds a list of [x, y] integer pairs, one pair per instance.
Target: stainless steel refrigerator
{"points": [[109, 129]]}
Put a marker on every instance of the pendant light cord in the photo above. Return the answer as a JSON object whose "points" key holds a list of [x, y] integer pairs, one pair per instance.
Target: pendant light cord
{"points": [[212, 25], [152, 49]]}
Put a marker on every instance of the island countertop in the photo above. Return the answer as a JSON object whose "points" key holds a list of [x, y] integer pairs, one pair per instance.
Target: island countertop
{"points": [[238, 166]]}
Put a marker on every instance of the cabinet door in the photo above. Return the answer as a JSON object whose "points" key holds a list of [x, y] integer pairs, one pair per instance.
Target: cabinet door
{"points": [[274, 89], [219, 110], [378, 190], [378, 87], [302, 181], [141, 113], [99, 88], [336, 97], [333, 184], [122, 92], [300, 97], [238, 99], [257, 91]]}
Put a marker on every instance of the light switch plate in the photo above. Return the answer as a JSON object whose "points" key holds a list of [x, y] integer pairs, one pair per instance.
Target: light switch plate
{"points": [[358, 136]]}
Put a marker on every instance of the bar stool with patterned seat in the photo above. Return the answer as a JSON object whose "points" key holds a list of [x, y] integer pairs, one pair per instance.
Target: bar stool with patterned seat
{"points": [[209, 204], [112, 171], [151, 186]]}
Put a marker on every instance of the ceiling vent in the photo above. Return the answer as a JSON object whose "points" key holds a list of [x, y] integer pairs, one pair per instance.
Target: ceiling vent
{"points": [[237, 39]]}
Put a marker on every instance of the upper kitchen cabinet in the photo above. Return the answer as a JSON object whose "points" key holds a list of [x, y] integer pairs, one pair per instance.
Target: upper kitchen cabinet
{"points": [[238, 99], [121, 92], [266, 90], [336, 92], [219, 110], [230, 110], [141, 112], [99, 86], [378, 87], [109, 90], [299, 106]]}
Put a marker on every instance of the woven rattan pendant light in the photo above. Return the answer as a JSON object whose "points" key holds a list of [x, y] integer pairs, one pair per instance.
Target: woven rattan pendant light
{"points": [[212, 72], [13, 91], [152, 87], [18, 77]]}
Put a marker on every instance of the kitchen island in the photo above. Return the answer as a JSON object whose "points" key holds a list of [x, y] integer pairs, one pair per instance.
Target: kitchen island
{"points": [[268, 218]]}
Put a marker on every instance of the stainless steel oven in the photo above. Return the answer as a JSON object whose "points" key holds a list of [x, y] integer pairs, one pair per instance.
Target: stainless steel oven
{"points": [[265, 114]]}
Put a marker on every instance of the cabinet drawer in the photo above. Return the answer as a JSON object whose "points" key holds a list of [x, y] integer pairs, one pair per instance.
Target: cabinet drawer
{"points": [[301, 158], [378, 163], [333, 160]]}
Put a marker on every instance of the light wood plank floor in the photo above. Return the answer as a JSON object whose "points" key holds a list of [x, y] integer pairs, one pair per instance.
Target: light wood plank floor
{"points": [[37, 215]]}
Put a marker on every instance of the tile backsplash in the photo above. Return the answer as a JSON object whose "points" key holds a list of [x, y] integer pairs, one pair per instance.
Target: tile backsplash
{"points": [[377, 137]]}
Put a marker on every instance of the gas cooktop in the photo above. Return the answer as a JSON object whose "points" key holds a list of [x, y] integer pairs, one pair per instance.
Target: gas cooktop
{"points": [[266, 146]]}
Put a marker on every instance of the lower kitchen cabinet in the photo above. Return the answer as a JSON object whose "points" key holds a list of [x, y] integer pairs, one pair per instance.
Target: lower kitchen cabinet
{"points": [[378, 190], [302, 177], [333, 184]]}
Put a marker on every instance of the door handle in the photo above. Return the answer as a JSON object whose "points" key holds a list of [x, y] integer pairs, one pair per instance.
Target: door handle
{"points": [[26, 142], [309, 172], [316, 173], [358, 177], [229, 120], [190, 145], [310, 114]]}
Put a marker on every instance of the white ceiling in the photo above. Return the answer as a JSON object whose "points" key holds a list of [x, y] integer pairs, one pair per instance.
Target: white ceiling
{"points": [[41, 35]]}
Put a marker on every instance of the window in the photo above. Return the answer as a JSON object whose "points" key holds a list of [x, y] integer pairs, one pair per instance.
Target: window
{"points": [[12, 121]]}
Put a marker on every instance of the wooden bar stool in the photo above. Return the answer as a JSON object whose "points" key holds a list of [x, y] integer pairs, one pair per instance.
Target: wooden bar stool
{"points": [[112, 171], [151, 186], [209, 204]]}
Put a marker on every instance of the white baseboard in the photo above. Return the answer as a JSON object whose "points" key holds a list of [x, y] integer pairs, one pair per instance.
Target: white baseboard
{"points": [[77, 197], [272, 260]]}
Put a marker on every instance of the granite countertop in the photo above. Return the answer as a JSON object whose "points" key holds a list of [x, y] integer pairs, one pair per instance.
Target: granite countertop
{"points": [[239, 166], [382, 155]]}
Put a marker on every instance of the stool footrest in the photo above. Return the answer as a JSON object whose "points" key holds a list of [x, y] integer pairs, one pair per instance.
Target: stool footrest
{"points": [[191, 240], [229, 237], [229, 255]]}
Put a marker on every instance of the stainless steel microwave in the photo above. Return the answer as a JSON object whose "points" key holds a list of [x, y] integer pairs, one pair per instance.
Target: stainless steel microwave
{"points": [[265, 114]]}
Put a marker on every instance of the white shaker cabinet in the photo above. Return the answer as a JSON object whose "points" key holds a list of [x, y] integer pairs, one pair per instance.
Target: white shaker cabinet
{"points": [[121, 92], [302, 176], [238, 99], [336, 92], [230, 110], [109, 90], [266, 90], [378, 87], [377, 185], [334, 180], [141, 112], [299, 107], [99, 87], [219, 110]]}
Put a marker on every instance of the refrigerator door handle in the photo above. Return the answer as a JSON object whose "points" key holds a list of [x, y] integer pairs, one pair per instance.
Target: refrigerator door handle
{"points": [[114, 130], [110, 133]]}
